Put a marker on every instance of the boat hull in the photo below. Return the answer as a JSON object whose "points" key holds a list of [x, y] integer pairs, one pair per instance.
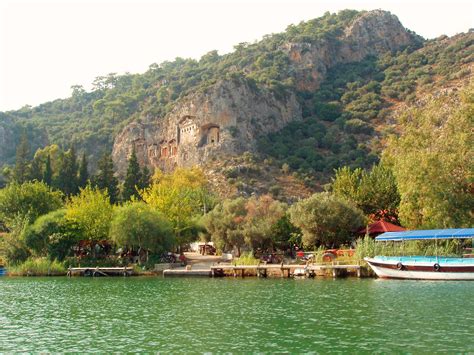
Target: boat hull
{"points": [[421, 271]]}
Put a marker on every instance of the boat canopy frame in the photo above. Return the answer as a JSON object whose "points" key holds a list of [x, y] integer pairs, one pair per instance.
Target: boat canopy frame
{"points": [[430, 234]]}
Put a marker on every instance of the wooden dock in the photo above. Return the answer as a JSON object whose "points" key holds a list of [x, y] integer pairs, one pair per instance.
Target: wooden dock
{"points": [[99, 271], [261, 270]]}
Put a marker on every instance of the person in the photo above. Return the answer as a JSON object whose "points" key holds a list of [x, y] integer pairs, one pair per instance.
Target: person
{"points": [[182, 259]]}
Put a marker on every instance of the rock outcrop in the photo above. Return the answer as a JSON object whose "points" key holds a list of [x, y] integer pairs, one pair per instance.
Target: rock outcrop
{"points": [[227, 118], [372, 33]]}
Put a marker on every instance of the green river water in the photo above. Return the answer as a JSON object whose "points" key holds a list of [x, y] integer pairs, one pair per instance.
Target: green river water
{"points": [[147, 314]]}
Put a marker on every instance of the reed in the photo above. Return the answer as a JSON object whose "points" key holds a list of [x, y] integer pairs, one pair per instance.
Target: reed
{"points": [[368, 247], [247, 258], [37, 267]]}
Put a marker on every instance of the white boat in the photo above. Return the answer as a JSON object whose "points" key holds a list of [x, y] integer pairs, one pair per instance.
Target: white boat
{"points": [[423, 267]]}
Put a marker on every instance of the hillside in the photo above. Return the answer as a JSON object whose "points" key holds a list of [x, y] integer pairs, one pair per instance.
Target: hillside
{"points": [[320, 95]]}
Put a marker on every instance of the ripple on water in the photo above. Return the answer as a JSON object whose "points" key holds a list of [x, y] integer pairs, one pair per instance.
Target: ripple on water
{"points": [[199, 315]]}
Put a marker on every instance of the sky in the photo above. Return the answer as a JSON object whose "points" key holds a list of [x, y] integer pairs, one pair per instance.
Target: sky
{"points": [[48, 46]]}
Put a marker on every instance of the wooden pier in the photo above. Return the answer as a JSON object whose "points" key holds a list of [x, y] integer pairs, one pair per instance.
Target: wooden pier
{"points": [[99, 271], [262, 270]]}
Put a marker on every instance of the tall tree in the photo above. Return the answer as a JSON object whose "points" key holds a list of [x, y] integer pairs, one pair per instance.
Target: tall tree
{"points": [[91, 211], [105, 178], [133, 178], [145, 180], [375, 192], [181, 197], [83, 172], [21, 172], [48, 172], [28, 200], [432, 161], [136, 224], [67, 178]]}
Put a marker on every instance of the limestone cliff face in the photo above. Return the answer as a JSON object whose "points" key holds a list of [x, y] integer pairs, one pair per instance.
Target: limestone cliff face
{"points": [[225, 119], [372, 33]]}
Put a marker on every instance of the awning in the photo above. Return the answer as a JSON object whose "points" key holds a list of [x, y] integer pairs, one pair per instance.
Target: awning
{"points": [[427, 234], [380, 227]]}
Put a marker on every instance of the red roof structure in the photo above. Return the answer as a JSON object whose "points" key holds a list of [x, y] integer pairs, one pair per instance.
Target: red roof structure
{"points": [[379, 227]]}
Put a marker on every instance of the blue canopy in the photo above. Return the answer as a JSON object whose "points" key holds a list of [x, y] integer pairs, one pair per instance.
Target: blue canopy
{"points": [[427, 234]]}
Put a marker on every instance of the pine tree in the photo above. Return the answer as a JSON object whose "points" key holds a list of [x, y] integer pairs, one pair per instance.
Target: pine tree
{"points": [[36, 169], [105, 178], [145, 178], [48, 172], [83, 172], [21, 172], [132, 179], [67, 178]]}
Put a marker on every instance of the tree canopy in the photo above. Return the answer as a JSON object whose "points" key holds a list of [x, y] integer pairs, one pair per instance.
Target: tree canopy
{"points": [[326, 219], [181, 197], [136, 224], [432, 161], [28, 200], [91, 211]]}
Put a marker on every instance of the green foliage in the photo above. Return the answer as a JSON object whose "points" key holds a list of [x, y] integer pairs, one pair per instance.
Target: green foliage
{"points": [[52, 235], [182, 198], [368, 247], [67, 173], [255, 222], [262, 214], [48, 172], [21, 172], [137, 224], [325, 219], [105, 178], [91, 211], [432, 161], [285, 234], [247, 258], [225, 224], [37, 267], [133, 178], [13, 248], [28, 200], [83, 177], [373, 191]]}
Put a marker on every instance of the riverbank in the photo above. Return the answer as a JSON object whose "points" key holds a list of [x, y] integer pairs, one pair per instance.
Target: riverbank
{"points": [[198, 265]]}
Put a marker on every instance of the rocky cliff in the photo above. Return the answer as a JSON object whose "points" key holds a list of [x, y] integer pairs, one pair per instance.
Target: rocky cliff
{"points": [[227, 118]]}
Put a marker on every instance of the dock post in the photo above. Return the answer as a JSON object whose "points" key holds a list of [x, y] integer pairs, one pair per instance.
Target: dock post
{"points": [[358, 269]]}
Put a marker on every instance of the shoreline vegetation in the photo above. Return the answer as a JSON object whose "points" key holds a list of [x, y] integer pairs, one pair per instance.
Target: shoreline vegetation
{"points": [[366, 246]]}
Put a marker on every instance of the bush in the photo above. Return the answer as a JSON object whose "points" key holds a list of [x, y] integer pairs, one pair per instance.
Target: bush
{"points": [[247, 258], [37, 267], [357, 126]]}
